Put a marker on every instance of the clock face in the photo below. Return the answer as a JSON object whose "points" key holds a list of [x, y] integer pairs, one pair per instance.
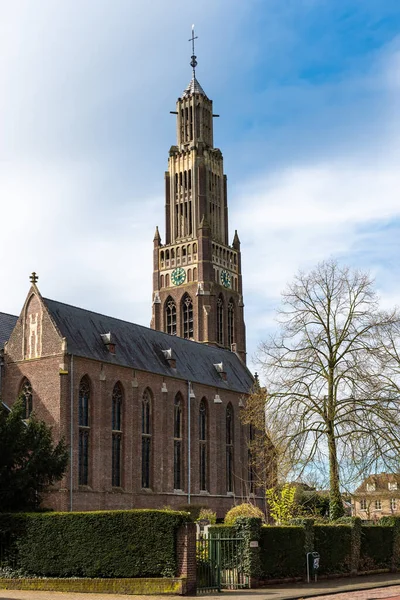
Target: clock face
{"points": [[225, 279], [178, 276]]}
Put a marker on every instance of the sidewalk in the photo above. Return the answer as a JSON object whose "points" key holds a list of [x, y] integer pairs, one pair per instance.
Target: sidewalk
{"points": [[295, 591]]}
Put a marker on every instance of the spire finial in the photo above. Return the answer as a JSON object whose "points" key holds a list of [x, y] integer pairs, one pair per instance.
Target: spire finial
{"points": [[33, 278], [193, 62]]}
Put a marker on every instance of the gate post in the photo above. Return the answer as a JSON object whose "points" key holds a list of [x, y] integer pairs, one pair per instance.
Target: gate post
{"points": [[186, 557], [250, 529]]}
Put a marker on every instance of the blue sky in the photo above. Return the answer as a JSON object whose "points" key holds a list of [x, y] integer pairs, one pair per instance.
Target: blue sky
{"points": [[308, 96]]}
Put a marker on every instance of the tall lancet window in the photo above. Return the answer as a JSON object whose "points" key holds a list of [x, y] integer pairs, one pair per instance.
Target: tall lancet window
{"points": [[229, 448], [26, 395], [231, 322], [84, 430], [203, 435], [170, 316], [178, 443], [187, 316], [146, 438], [116, 425], [220, 320]]}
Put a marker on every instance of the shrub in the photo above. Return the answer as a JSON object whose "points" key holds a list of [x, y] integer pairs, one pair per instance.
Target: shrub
{"points": [[134, 543], [376, 547], [282, 551], [333, 542], [243, 510], [192, 509], [210, 515]]}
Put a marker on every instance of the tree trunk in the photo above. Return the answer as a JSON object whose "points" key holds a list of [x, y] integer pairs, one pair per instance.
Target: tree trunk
{"points": [[336, 509]]}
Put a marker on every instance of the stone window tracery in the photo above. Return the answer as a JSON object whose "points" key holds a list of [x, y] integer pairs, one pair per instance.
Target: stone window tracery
{"points": [[187, 316], [178, 443], [27, 398], [220, 320], [229, 448], [231, 322], [170, 316], [203, 441], [146, 439], [117, 398], [84, 430]]}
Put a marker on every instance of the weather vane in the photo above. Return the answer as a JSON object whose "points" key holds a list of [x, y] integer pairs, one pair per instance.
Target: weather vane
{"points": [[193, 62]]}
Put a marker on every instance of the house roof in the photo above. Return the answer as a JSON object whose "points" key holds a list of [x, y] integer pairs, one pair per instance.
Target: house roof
{"points": [[142, 348], [381, 481], [7, 324]]}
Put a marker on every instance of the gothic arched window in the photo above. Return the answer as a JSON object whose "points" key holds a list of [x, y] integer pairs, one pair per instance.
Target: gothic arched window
{"points": [[84, 430], [231, 322], [187, 316], [27, 398], [203, 440], [178, 443], [116, 425], [229, 448], [220, 320], [170, 316], [146, 438]]}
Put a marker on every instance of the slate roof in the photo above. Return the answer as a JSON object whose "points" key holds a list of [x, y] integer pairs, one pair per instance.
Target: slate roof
{"points": [[193, 88], [142, 348], [7, 324]]}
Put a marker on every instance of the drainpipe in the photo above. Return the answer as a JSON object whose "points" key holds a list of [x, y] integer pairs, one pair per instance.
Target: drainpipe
{"points": [[71, 460]]}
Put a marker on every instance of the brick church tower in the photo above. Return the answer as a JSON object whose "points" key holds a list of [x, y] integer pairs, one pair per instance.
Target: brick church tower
{"points": [[197, 277]]}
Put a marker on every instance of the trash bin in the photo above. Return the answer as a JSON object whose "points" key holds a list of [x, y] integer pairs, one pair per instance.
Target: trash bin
{"points": [[312, 565]]}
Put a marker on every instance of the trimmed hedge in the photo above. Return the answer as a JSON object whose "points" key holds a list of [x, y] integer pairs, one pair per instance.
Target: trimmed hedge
{"points": [[134, 543], [282, 551], [376, 547], [333, 542]]}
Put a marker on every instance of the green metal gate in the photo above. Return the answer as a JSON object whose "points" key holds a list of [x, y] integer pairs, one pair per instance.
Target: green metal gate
{"points": [[220, 563]]}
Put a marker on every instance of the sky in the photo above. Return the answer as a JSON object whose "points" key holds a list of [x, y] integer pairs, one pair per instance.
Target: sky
{"points": [[308, 96]]}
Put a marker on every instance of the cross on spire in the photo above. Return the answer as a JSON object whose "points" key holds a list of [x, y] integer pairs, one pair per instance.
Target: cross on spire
{"points": [[33, 278], [193, 62]]}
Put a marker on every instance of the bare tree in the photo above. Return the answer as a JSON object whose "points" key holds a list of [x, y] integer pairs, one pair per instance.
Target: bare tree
{"points": [[320, 370]]}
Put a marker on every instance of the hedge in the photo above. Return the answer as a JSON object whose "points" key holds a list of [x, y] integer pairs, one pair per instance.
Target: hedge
{"points": [[282, 551], [333, 542], [376, 547], [134, 543]]}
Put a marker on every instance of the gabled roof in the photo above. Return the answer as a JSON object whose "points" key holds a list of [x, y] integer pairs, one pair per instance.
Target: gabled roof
{"points": [[142, 348], [7, 324], [380, 480], [193, 88]]}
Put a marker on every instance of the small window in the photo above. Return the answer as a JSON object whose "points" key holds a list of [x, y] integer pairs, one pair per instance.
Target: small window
{"points": [[363, 504], [393, 503], [371, 487], [26, 395], [392, 485], [378, 505]]}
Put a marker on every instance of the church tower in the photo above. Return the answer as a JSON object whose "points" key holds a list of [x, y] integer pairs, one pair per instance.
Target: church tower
{"points": [[197, 278]]}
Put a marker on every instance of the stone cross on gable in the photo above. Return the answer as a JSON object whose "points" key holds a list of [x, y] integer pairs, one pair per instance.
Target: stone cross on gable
{"points": [[34, 278]]}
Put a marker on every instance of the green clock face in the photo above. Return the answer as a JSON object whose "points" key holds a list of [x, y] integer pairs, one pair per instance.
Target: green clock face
{"points": [[178, 276], [225, 279]]}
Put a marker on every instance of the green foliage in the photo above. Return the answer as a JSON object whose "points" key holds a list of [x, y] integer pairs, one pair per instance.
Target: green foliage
{"points": [[376, 547], [134, 543], [333, 542], [192, 509], [207, 513], [282, 504], [30, 462], [243, 510], [282, 551], [313, 503]]}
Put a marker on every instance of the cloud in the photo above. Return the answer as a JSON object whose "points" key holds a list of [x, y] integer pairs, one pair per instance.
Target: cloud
{"points": [[311, 160]]}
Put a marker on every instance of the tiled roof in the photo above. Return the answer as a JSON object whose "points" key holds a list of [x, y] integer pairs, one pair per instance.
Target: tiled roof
{"points": [[194, 88], [142, 348], [7, 324], [381, 481]]}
